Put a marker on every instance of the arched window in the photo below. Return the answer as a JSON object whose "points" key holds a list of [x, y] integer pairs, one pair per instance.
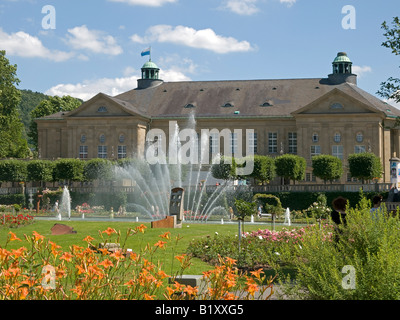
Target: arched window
{"points": [[315, 137], [121, 138], [359, 137], [337, 137], [102, 109], [83, 138], [102, 138]]}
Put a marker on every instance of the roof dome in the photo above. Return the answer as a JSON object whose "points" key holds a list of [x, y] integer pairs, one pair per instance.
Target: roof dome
{"points": [[150, 65], [342, 57]]}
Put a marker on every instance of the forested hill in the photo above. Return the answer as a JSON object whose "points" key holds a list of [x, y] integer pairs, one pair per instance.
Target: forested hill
{"points": [[29, 101]]}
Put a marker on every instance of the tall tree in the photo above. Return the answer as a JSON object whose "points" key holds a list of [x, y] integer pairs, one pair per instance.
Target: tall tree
{"points": [[390, 89], [12, 143], [48, 107]]}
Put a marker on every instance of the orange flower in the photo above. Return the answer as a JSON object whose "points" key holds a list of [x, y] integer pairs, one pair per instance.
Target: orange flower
{"points": [[4, 254], [117, 255], [257, 273], [66, 256], [162, 274], [130, 283], [230, 261], [230, 296], [19, 252], [180, 258], [89, 239], [147, 297], [165, 235], [80, 269], [109, 231], [160, 244], [190, 290], [170, 291], [37, 236], [251, 288], [13, 237], [104, 251], [141, 228], [106, 263], [78, 290]]}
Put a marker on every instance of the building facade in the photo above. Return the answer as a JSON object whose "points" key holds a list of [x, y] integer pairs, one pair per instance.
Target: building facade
{"points": [[306, 117]]}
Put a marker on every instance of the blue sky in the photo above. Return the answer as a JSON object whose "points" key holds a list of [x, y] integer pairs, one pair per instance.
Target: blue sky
{"points": [[95, 45]]}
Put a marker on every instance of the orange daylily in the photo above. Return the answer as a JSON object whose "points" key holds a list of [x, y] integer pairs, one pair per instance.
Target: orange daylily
{"points": [[147, 297], [141, 228], [117, 255], [180, 258], [165, 235], [13, 237], [160, 244], [109, 231], [66, 256], [106, 263], [37, 236], [89, 239], [190, 290], [257, 273]]}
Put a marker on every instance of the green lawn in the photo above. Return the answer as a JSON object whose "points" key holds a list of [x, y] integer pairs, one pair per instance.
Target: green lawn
{"points": [[187, 233]]}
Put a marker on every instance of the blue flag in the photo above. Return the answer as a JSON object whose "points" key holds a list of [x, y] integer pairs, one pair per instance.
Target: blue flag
{"points": [[146, 52]]}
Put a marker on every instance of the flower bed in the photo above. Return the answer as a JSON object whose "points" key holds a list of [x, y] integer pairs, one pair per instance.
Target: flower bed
{"points": [[46, 272], [15, 221]]}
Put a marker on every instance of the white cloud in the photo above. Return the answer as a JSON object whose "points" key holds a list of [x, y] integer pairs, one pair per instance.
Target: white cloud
{"points": [[199, 39], [111, 86], [288, 2], [242, 7], [361, 71], [149, 3], [81, 38], [24, 45]]}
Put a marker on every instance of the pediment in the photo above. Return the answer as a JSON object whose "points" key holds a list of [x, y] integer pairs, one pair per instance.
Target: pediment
{"points": [[103, 106], [337, 102]]}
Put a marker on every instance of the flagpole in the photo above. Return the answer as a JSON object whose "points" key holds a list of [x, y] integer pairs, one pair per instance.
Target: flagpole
{"points": [[150, 53]]}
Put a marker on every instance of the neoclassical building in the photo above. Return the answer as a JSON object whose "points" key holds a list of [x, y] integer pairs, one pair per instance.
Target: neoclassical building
{"points": [[306, 117]]}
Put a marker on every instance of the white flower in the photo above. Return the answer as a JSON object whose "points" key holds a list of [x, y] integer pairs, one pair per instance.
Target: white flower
{"points": [[216, 232], [260, 237], [277, 253]]}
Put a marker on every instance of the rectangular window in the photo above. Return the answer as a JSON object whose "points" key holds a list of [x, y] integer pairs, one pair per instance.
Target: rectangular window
{"points": [[315, 151], [234, 143], [121, 152], [214, 144], [359, 149], [272, 142], [83, 152], [253, 142], [293, 142], [102, 152], [337, 151], [310, 177]]}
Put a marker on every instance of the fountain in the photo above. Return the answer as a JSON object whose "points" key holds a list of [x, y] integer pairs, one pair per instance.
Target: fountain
{"points": [[65, 205], [154, 182], [287, 218]]}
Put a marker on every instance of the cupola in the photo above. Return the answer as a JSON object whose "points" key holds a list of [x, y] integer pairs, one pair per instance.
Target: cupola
{"points": [[342, 70], [150, 76]]}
